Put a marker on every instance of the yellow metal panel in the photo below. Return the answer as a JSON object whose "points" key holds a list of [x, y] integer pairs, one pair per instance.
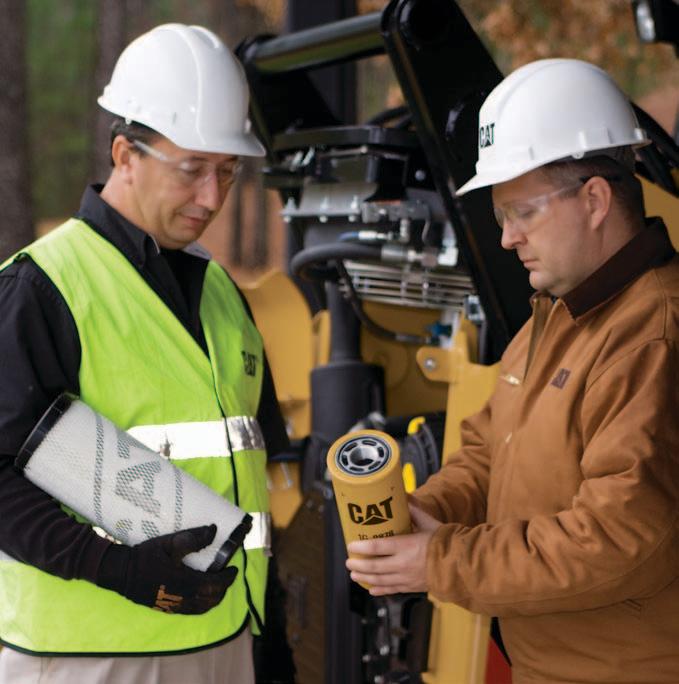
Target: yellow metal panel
{"points": [[283, 317], [661, 203], [458, 646], [459, 639], [284, 491], [408, 391], [470, 384]]}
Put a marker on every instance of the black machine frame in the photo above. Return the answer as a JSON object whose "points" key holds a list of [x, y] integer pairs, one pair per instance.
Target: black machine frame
{"points": [[445, 73], [422, 39]]}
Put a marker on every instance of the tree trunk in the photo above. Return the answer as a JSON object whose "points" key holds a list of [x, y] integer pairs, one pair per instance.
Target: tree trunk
{"points": [[16, 227], [111, 39]]}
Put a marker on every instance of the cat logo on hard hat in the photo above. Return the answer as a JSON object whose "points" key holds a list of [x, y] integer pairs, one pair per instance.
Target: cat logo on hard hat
{"points": [[374, 514], [486, 135]]}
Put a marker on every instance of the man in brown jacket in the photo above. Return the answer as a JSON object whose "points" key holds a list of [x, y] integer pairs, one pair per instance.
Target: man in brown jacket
{"points": [[559, 513]]}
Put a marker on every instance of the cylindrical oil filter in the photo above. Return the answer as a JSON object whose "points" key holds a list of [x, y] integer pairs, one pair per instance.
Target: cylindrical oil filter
{"points": [[106, 476], [366, 477]]}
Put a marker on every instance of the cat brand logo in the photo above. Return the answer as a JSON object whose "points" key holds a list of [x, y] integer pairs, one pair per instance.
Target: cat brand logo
{"points": [[249, 363], [374, 514], [486, 135]]}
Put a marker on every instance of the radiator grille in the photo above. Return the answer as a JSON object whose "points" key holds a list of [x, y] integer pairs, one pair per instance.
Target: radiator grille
{"points": [[410, 286]]}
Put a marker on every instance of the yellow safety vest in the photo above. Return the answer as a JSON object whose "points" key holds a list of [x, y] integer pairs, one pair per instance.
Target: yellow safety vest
{"points": [[142, 370]]}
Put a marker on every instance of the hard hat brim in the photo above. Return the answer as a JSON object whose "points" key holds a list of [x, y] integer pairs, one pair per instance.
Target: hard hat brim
{"points": [[245, 144], [488, 178], [483, 180]]}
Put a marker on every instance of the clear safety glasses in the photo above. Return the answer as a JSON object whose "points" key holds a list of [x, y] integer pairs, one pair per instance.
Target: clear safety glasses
{"points": [[194, 173], [520, 214]]}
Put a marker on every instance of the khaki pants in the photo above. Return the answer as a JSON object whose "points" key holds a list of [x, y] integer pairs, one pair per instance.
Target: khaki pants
{"points": [[230, 663]]}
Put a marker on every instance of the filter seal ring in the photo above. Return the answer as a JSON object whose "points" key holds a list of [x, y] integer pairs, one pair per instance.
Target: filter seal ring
{"points": [[231, 545], [363, 455], [49, 419]]}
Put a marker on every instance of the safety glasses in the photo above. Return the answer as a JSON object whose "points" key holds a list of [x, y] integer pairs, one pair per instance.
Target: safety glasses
{"points": [[194, 173], [521, 213]]}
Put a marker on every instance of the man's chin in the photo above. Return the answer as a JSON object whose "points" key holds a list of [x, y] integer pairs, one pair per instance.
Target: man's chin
{"points": [[180, 238], [539, 282], [187, 229], [534, 280]]}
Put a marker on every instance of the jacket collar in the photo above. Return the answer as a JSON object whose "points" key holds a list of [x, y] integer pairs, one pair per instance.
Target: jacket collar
{"points": [[648, 249], [137, 245]]}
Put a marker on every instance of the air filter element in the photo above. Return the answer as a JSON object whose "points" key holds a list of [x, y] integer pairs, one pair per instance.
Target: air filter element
{"points": [[368, 484], [118, 484]]}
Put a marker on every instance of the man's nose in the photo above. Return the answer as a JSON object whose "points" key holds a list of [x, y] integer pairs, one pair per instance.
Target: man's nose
{"points": [[208, 194], [511, 237]]}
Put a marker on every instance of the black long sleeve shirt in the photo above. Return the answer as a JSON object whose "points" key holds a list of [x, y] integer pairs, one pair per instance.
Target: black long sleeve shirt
{"points": [[40, 358]]}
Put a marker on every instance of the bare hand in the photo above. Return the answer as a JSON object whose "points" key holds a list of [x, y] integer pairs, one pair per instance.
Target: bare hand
{"points": [[395, 565]]}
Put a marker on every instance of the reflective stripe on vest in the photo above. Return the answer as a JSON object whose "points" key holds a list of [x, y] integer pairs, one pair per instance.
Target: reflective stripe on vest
{"points": [[259, 537], [205, 439]]}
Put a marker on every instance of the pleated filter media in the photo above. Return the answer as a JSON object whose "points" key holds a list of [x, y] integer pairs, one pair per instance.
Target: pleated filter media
{"points": [[106, 476]]}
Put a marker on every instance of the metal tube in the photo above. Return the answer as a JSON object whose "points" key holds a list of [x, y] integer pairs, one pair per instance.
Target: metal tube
{"points": [[339, 41]]}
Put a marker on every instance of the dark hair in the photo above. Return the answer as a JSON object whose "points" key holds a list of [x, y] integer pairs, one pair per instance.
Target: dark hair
{"points": [[625, 186], [132, 131]]}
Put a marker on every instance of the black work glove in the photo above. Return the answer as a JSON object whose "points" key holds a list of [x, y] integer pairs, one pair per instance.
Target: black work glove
{"points": [[152, 573]]}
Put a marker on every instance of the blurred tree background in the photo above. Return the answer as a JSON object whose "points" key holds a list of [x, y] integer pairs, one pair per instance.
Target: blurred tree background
{"points": [[58, 54], [519, 31]]}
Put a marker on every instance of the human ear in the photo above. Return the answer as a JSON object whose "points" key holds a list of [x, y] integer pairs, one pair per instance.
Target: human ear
{"points": [[122, 157], [598, 198]]}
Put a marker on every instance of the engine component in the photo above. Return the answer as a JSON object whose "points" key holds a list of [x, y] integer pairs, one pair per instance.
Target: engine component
{"points": [[366, 476], [406, 286]]}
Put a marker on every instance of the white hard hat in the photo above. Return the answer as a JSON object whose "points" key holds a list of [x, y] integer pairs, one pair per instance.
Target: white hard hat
{"points": [[184, 83], [549, 110]]}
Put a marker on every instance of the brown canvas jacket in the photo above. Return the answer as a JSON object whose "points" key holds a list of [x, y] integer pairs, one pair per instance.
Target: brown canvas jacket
{"points": [[562, 507]]}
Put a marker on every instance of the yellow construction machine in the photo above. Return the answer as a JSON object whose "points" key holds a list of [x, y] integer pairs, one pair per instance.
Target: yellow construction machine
{"points": [[398, 302]]}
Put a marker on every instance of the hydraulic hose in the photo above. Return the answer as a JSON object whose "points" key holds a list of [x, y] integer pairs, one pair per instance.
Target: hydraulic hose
{"points": [[368, 322], [316, 263], [326, 262]]}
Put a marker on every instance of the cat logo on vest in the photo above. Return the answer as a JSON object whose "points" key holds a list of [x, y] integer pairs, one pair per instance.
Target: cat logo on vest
{"points": [[560, 378], [249, 363]]}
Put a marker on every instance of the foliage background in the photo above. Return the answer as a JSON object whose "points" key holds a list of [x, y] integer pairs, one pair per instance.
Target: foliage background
{"points": [[63, 42], [519, 31]]}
